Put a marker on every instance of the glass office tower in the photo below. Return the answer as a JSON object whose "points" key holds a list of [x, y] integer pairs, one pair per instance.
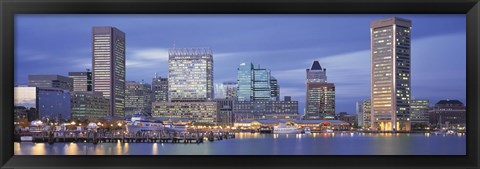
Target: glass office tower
{"points": [[108, 63], [256, 84], [190, 74], [390, 74]]}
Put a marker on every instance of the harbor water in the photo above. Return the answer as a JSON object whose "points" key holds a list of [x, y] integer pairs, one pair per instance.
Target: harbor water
{"points": [[270, 144]]}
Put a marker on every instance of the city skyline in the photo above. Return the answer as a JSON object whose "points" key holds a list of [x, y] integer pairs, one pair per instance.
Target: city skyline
{"points": [[338, 61]]}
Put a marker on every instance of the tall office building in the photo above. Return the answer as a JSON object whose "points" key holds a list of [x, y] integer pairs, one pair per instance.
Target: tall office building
{"points": [[255, 84], [390, 74], [50, 81], [159, 89], [190, 74], [320, 94], [138, 98], [108, 63], [82, 81], [226, 90]]}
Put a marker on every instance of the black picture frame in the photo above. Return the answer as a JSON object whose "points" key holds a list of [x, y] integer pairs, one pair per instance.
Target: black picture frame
{"points": [[8, 9]]}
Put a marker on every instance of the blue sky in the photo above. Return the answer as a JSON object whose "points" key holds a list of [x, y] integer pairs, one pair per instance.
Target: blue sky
{"points": [[285, 44]]}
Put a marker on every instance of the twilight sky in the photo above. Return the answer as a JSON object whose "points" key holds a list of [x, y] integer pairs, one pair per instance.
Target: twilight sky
{"points": [[285, 44]]}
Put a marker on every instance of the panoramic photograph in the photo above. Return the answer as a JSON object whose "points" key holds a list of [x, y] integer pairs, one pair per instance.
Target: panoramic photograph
{"points": [[240, 84]]}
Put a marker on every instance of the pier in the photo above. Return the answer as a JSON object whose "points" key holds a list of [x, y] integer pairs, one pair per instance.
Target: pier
{"points": [[113, 137]]}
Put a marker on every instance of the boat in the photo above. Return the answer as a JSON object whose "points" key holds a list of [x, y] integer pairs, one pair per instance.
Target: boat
{"points": [[265, 130], [329, 131], [307, 130], [140, 122], [26, 138], [175, 128], [283, 128]]}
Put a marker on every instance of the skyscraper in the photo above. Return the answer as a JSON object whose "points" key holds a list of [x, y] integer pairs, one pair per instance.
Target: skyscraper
{"points": [[138, 98], [50, 81], [190, 74], [108, 63], [82, 81], [390, 74], [159, 89], [244, 82], [320, 94], [256, 84]]}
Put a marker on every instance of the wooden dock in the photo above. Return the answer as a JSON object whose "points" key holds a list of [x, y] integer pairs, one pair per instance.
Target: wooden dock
{"points": [[113, 137]]}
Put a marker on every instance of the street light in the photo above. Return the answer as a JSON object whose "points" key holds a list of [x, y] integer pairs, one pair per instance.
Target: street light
{"points": [[119, 124]]}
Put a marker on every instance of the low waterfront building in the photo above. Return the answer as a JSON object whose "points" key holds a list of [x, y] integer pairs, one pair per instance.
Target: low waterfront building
{"points": [[89, 105], [419, 118], [23, 113], [312, 124], [198, 112], [50, 81], [277, 110], [448, 114], [349, 118]]}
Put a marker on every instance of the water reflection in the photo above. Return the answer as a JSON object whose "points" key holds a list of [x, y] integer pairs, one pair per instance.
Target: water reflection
{"points": [[347, 143]]}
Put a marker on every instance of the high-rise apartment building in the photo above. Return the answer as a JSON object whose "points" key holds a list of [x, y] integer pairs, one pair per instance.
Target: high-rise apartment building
{"points": [[108, 63], [320, 95], [190, 74], [390, 74], [82, 81]]}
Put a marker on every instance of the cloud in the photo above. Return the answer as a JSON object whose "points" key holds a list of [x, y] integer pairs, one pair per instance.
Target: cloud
{"points": [[295, 92], [137, 58]]}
